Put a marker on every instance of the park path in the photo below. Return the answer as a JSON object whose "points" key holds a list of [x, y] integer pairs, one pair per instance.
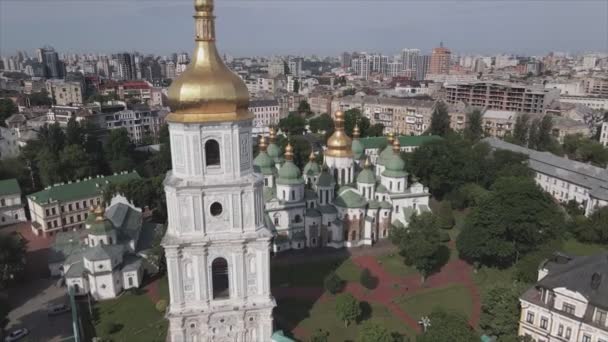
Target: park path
{"points": [[390, 287]]}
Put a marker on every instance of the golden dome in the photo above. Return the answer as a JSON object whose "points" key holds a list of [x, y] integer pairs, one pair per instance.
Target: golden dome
{"points": [[356, 131], [272, 135], [396, 146], [288, 152], [207, 91], [390, 138], [99, 213], [311, 156], [262, 143], [339, 144]]}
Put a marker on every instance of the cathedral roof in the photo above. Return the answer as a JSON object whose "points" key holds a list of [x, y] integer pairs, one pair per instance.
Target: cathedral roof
{"points": [[339, 144], [313, 212], [381, 189], [312, 168], [395, 165], [264, 164], [366, 176], [325, 179], [349, 198], [289, 173]]}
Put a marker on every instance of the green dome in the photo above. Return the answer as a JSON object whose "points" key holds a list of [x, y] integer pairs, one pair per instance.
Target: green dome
{"points": [[325, 179], [385, 155], [101, 227], [274, 151], [366, 176], [289, 174], [264, 164], [312, 168], [395, 167], [358, 150]]}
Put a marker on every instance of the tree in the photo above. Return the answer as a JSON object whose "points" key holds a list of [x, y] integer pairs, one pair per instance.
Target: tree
{"points": [[354, 117], [74, 163], [448, 327], [304, 107], [49, 167], [118, 149], [595, 228], [12, 259], [440, 120], [52, 137], [293, 124], [474, 130], [520, 130], [545, 135], [320, 336], [7, 108], [445, 215], [376, 130], [516, 218], [74, 134], [500, 311], [296, 86], [585, 150], [420, 245], [333, 283], [347, 308], [5, 309], [321, 123], [41, 98], [367, 280], [372, 332], [526, 269]]}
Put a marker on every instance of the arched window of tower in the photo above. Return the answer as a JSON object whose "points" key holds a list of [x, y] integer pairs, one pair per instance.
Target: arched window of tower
{"points": [[219, 278], [212, 153]]}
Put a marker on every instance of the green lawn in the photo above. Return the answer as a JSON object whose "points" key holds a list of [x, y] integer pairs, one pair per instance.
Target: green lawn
{"points": [[454, 298], [309, 317], [312, 274], [394, 264], [574, 247]]}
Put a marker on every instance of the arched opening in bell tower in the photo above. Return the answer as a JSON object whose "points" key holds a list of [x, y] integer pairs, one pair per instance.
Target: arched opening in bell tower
{"points": [[212, 153], [219, 278]]}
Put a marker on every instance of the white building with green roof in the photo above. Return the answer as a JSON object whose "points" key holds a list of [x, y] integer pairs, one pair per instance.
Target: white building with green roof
{"points": [[64, 207], [307, 210], [11, 207]]}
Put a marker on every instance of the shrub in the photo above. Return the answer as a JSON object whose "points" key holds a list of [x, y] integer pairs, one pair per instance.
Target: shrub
{"points": [[367, 280], [444, 237], [332, 283], [161, 305], [109, 328]]}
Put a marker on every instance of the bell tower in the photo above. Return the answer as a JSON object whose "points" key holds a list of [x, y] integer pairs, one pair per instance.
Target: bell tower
{"points": [[217, 245]]}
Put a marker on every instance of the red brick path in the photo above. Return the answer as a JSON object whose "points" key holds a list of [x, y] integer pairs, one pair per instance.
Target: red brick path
{"points": [[391, 287]]}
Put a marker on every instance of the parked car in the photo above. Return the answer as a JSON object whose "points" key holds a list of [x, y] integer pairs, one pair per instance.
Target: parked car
{"points": [[57, 309], [16, 335]]}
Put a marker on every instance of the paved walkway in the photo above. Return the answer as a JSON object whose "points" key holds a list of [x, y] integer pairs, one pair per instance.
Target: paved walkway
{"points": [[391, 287]]}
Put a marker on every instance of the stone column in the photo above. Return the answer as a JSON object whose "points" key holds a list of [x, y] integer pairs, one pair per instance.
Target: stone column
{"points": [[175, 277]]}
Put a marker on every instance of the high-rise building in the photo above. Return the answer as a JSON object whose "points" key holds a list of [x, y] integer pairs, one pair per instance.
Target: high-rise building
{"points": [[440, 61], [53, 67], [409, 59], [217, 242], [346, 59], [126, 67], [422, 66]]}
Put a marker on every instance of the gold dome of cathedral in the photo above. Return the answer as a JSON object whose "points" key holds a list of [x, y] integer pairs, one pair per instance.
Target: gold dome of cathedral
{"points": [[339, 144], [207, 91]]}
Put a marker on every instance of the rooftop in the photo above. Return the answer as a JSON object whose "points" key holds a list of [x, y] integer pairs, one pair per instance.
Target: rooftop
{"points": [[9, 187], [80, 189]]}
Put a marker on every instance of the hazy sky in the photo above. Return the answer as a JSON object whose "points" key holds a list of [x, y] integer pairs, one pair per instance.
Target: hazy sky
{"points": [[308, 26]]}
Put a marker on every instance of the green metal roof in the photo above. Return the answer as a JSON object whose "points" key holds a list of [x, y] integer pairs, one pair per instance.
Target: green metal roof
{"points": [[100, 227], [349, 198], [381, 189], [385, 205], [310, 195], [313, 212], [404, 140], [9, 187], [103, 252], [264, 164], [385, 155], [289, 174], [274, 151], [394, 174], [366, 176], [312, 168], [357, 148], [79, 190], [373, 204], [327, 209], [325, 179]]}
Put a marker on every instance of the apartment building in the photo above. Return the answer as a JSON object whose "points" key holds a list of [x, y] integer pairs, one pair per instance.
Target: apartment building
{"points": [[501, 96], [372, 146], [563, 178], [140, 122], [604, 134], [65, 206], [596, 86], [498, 123], [142, 91], [266, 113], [565, 126], [320, 103], [569, 302], [593, 102], [65, 93], [11, 208]]}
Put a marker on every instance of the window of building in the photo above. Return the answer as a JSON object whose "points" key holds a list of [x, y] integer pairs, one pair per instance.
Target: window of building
{"points": [[53, 211], [560, 330], [544, 323], [530, 317], [216, 209], [568, 333], [2, 202], [219, 277], [212, 153], [568, 308], [586, 338], [297, 219], [77, 205], [600, 317], [70, 207]]}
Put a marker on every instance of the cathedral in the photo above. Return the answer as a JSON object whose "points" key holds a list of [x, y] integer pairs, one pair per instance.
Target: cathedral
{"points": [[346, 202]]}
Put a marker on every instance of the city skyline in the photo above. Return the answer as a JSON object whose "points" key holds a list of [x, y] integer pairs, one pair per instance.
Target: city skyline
{"points": [[323, 28]]}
